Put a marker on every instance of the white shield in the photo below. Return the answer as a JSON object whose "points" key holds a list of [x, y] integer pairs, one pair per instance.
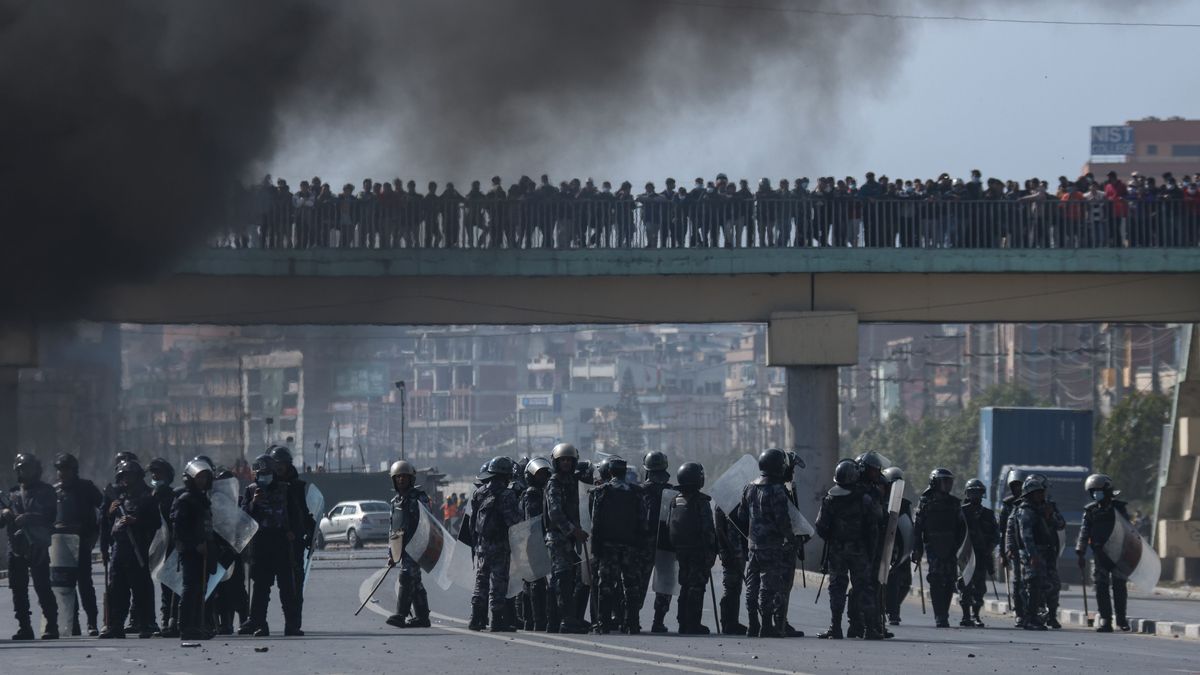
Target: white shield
{"points": [[800, 524], [666, 567], [529, 559], [895, 499], [904, 538], [229, 521], [315, 501], [64, 572], [1130, 557], [727, 491], [966, 557]]}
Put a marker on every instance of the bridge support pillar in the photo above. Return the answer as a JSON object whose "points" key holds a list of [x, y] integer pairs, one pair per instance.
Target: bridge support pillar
{"points": [[811, 346]]}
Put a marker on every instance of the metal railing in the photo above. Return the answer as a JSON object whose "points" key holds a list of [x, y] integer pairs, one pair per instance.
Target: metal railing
{"points": [[726, 222]]}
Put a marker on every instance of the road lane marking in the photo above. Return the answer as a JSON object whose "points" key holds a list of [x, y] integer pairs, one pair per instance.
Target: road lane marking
{"points": [[370, 581]]}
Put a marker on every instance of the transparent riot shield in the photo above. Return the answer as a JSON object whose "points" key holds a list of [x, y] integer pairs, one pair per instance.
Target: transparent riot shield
{"points": [[529, 559], [1130, 557], [230, 522], [895, 498], [727, 490], [666, 567], [64, 573]]}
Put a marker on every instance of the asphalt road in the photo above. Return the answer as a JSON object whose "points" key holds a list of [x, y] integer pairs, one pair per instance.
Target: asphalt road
{"points": [[339, 642]]}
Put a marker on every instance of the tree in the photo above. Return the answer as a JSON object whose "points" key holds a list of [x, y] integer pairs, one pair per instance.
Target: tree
{"points": [[629, 418], [1129, 443]]}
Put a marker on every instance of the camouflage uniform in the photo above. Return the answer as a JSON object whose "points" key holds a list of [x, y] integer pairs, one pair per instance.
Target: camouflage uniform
{"points": [[848, 521], [694, 539], [619, 526], [532, 506], [561, 518], [1098, 524], [1053, 585], [731, 549], [1038, 545], [493, 510], [1008, 538], [772, 548], [981, 526], [662, 602]]}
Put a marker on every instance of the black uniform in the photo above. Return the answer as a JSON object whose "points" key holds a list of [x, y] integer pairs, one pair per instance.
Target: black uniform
{"points": [[302, 540], [938, 531], [653, 491], [900, 580], [537, 602], [981, 526], [271, 555], [165, 496], [693, 536], [130, 589], [29, 551], [79, 503], [493, 510], [1038, 545], [1009, 554], [849, 523], [410, 594], [859, 618], [1099, 521], [731, 550], [191, 526]]}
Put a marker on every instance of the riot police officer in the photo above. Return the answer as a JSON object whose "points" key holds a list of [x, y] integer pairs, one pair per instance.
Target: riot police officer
{"points": [[302, 541], [900, 579], [655, 479], [1053, 585], [129, 523], [619, 532], [532, 503], [1008, 537], [1036, 544], [271, 554], [694, 539], [191, 526], [79, 502], [981, 527], [872, 485], [772, 544], [563, 534], [938, 531], [848, 521], [731, 551], [162, 474], [406, 516], [29, 516], [493, 510], [1099, 524]]}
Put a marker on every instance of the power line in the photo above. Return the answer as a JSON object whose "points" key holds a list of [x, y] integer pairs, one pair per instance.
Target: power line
{"points": [[716, 4]]}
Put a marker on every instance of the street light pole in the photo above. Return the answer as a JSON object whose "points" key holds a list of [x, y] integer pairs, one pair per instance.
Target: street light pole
{"points": [[403, 413]]}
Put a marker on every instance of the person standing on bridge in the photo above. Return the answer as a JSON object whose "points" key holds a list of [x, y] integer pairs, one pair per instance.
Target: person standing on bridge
{"points": [[406, 515], [1099, 522]]}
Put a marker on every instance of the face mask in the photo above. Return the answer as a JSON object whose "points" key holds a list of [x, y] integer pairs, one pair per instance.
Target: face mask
{"points": [[264, 479], [1098, 495], [158, 483]]}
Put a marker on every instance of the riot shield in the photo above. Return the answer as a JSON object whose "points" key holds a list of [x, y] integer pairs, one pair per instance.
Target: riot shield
{"points": [[966, 555], [666, 566], [64, 572], [904, 538], [585, 511], [230, 522], [1128, 556], [895, 497], [529, 559], [727, 490], [316, 506], [396, 546], [800, 524], [445, 559]]}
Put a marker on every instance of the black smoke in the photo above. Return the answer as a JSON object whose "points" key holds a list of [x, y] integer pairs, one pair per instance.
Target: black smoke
{"points": [[126, 125]]}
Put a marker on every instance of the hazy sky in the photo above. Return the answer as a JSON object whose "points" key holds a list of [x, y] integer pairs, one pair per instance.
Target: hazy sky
{"points": [[1013, 100]]}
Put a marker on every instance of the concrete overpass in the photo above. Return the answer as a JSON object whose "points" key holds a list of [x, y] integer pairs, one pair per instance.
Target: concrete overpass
{"points": [[811, 299]]}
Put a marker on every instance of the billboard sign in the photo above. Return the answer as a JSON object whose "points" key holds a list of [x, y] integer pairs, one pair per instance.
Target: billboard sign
{"points": [[1112, 141]]}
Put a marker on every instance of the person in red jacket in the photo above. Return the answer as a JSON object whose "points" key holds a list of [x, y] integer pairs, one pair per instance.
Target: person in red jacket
{"points": [[1117, 194]]}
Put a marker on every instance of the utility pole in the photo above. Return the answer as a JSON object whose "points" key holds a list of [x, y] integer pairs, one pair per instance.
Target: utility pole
{"points": [[403, 413]]}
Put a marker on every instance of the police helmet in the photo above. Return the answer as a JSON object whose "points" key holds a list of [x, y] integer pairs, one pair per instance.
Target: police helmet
{"points": [[975, 485], [537, 464], [281, 455], [893, 474], [941, 478], [163, 466], [1032, 485], [1098, 481], [196, 469], [1016, 476], [604, 469], [67, 463], [26, 466], [773, 463], [563, 450], [402, 468], [124, 456], [846, 473], [264, 464], [496, 467], [206, 459], [654, 461], [617, 466], [131, 467], [690, 475], [871, 460]]}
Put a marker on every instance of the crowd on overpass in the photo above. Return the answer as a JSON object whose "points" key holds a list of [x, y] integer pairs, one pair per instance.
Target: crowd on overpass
{"points": [[879, 211]]}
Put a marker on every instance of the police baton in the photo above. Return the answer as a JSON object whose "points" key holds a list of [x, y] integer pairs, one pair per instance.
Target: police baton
{"points": [[921, 581], [994, 591], [712, 587], [387, 569], [1087, 616], [824, 570]]}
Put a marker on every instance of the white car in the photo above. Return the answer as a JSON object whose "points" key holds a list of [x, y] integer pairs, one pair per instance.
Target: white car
{"points": [[355, 523]]}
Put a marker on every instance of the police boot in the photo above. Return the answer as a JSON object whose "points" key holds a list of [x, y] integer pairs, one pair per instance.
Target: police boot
{"points": [[537, 600], [788, 631], [553, 617], [1052, 619], [1121, 598], [977, 620], [754, 628], [729, 617], [51, 631], [967, 621], [1105, 625], [76, 631], [420, 610], [478, 615], [403, 604], [660, 613], [872, 632], [767, 626], [24, 631], [106, 634], [834, 632], [501, 621], [855, 629]]}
